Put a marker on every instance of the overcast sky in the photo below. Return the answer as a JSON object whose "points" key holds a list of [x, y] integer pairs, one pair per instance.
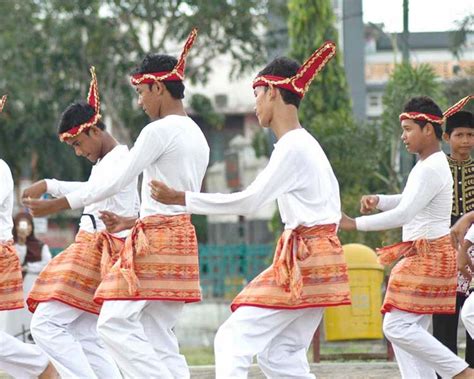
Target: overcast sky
{"points": [[424, 15]]}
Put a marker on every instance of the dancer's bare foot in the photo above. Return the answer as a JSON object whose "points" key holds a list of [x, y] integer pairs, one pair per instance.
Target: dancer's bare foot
{"points": [[49, 372], [467, 373]]}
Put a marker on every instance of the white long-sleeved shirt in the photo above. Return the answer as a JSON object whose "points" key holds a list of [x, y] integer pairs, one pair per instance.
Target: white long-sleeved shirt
{"points": [[298, 175], [172, 150], [124, 203], [424, 207], [6, 202]]}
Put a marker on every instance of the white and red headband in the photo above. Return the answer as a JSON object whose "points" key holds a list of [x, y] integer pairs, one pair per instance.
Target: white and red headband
{"points": [[418, 116]]}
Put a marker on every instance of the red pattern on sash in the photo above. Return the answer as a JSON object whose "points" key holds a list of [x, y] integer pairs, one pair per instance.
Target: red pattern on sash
{"points": [[158, 262], [308, 270], [424, 280], [11, 282], [73, 276]]}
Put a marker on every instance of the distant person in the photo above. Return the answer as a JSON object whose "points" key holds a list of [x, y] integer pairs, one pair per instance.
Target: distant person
{"points": [[34, 255], [459, 135], [18, 359]]}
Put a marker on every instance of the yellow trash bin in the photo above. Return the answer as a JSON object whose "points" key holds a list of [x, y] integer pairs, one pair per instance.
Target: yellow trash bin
{"points": [[362, 319]]}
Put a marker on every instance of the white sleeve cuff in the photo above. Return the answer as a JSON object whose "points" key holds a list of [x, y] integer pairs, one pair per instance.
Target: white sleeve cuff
{"points": [[188, 201], [52, 187], [382, 202], [74, 200], [360, 223]]}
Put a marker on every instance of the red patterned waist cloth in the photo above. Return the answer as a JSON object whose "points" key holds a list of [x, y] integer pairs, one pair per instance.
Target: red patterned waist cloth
{"points": [[308, 270], [159, 261], [424, 280], [73, 276], [11, 282]]}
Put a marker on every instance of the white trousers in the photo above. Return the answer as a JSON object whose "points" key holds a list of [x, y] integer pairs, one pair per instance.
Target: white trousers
{"points": [[418, 353], [139, 335], [69, 337], [279, 337], [467, 314], [21, 360]]}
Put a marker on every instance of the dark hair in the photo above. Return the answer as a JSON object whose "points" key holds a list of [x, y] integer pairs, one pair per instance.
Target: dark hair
{"points": [[76, 114], [286, 68], [462, 119], [157, 63], [424, 104]]}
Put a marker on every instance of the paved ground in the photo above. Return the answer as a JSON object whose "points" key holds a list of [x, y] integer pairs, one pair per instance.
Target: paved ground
{"points": [[349, 370]]}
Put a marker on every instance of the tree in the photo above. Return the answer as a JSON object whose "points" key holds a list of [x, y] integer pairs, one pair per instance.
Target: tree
{"points": [[47, 47], [326, 109], [459, 36]]}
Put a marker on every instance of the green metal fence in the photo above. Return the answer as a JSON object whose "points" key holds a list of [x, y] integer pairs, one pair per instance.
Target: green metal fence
{"points": [[225, 269]]}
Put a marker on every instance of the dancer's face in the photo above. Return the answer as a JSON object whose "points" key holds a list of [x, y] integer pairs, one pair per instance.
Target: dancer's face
{"points": [[263, 105], [413, 136], [148, 99], [86, 144]]}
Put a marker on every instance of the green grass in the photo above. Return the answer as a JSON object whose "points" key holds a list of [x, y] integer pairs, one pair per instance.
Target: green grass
{"points": [[198, 356]]}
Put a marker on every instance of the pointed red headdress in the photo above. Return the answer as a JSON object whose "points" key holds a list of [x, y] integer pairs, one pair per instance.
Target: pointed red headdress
{"points": [[3, 100], [176, 74], [299, 83], [458, 106], [94, 101]]}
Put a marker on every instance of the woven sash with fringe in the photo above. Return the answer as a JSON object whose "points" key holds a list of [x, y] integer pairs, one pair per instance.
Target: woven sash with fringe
{"points": [[308, 270], [72, 277], [158, 262], [424, 280]]}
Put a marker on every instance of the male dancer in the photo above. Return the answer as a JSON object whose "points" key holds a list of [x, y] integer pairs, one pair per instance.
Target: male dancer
{"points": [[65, 317], [424, 281], [459, 134], [18, 359], [158, 271], [276, 315]]}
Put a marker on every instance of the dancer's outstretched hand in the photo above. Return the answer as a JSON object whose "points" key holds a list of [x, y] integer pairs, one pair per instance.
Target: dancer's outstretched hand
{"points": [[464, 261], [368, 203], [166, 195], [41, 208], [35, 190], [459, 230], [115, 223]]}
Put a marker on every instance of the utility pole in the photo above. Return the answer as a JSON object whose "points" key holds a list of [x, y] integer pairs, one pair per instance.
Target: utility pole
{"points": [[406, 34]]}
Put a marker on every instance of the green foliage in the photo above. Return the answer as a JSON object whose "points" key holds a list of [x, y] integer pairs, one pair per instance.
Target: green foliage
{"points": [[203, 107], [260, 144], [47, 47], [458, 88], [310, 23], [459, 37]]}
